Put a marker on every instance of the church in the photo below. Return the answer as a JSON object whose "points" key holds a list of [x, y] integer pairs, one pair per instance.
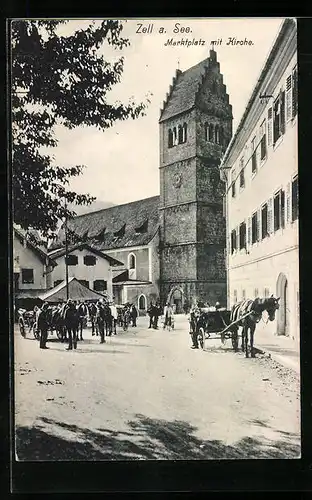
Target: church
{"points": [[171, 247]]}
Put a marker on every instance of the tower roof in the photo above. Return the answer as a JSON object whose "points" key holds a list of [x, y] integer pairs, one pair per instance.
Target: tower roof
{"points": [[184, 88]]}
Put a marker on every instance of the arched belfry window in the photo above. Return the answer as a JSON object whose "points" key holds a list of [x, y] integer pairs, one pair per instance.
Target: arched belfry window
{"points": [[170, 138], [211, 134], [221, 136], [175, 136], [184, 132], [132, 265], [217, 135], [206, 131], [180, 134]]}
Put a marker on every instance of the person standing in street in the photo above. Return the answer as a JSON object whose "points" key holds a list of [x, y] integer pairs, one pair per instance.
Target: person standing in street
{"points": [[157, 313], [42, 325], [71, 318], [134, 315], [82, 315], [168, 314], [114, 314], [151, 313]]}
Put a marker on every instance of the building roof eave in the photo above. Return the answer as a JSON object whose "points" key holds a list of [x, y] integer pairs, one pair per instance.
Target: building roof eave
{"points": [[268, 63]]}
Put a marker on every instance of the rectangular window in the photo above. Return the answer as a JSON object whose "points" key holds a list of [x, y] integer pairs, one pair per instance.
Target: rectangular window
{"points": [[71, 260], [279, 210], [254, 228], [233, 189], [242, 178], [264, 221], [294, 92], [27, 275], [235, 296], [276, 120], [100, 285], [254, 156], [279, 117], [89, 260], [270, 125], [233, 241], [294, 199], [256, 293], [266, 293], [242, 236], [243, 294], [263, 141]]}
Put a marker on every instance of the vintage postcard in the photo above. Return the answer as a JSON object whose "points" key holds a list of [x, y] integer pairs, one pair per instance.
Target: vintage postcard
{"points": [[155, 239]]}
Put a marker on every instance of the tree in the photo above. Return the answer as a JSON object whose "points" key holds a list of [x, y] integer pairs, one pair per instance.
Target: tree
{"points": [[58, 80]]}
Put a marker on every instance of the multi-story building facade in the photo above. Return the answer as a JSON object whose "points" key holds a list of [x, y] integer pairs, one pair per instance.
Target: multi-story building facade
{"points": [[261, 204], [89, 266], [32, 267]]}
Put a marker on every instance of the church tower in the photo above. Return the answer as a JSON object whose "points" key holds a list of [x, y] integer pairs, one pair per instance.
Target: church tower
{"points": [[195, 129]]}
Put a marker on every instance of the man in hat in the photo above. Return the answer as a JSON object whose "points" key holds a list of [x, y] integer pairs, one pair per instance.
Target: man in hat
{"points": [[71, 319], [114, 314], [42, 325]]}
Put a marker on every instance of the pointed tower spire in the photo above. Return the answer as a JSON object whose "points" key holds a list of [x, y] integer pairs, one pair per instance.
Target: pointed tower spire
{"points": [[213, 54]]}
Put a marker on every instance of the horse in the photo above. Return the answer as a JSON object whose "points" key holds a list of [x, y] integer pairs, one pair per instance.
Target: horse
{"points": [[256, 307], [57, 323], [104, 320], [92, 314]]}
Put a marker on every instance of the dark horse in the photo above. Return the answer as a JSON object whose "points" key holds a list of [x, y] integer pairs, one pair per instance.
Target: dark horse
{"points": [[104, 320], [255, 308]]}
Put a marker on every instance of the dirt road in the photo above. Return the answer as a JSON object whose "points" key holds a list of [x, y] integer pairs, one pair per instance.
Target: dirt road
{"points": [[146, 395]]}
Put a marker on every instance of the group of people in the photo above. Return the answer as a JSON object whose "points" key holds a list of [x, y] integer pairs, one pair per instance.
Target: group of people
{"points": [[155, 311], [70, 318]]}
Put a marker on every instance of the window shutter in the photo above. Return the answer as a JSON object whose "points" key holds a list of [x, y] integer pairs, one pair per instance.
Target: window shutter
{"points": [[282, 116], [282, 208], [270, 215], [288, 98], [249, 232], [259, 224], [288, 203], [294, 93], [270, 126]]}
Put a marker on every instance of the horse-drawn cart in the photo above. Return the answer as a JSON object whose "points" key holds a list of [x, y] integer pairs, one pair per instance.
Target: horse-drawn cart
{"points": [[214, 323], [217, 323]]}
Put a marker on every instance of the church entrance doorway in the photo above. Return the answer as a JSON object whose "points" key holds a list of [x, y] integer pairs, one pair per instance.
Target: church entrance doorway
{"points": [[176, 298], [283, 311]]}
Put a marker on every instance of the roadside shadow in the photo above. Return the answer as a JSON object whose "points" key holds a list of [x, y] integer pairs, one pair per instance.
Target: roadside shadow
{"points": [[147, 439]]}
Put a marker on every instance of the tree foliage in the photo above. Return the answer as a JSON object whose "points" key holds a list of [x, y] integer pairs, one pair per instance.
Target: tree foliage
{"points": [[58, 80]]}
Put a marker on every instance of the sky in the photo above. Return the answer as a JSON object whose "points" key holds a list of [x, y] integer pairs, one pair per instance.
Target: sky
{"points": [[122, 163]]}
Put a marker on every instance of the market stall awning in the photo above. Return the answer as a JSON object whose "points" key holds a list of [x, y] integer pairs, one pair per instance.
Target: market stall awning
{"points": [[76, 291]]}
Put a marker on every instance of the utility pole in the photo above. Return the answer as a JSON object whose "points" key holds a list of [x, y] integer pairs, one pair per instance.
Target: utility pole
{"points": [[66, 254]]}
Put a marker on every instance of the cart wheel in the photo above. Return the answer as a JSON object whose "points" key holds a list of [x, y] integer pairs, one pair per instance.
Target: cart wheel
{"points": [[36, 333], [201, 337], [235, 341], [59, 334], [22, 328]]}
